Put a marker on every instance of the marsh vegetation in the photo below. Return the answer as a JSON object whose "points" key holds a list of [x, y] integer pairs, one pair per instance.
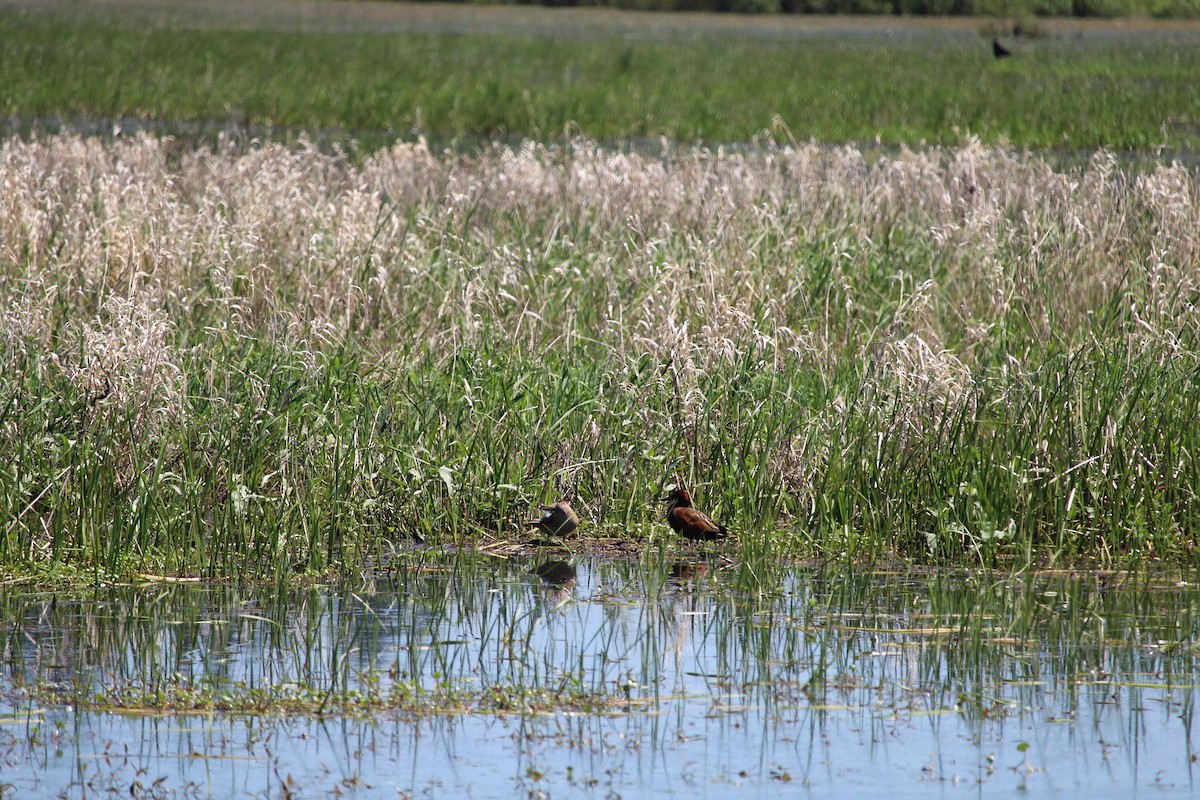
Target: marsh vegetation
{"points": [[285, 405], [267, 359], [378, 71]]}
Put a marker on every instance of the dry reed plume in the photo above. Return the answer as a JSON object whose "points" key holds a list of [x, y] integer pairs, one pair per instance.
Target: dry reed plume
{"points": [[309, 244], [682, 268]]}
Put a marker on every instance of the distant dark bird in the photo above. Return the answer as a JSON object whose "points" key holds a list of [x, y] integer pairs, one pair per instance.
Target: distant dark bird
{"points": [[999, 50], [688, 522], [559, 520]]}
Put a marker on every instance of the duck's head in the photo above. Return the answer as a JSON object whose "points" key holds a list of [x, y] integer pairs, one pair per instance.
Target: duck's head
{"points": [[679, 497]]}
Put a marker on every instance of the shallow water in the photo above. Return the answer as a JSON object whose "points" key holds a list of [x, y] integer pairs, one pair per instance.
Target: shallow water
{"points": [[630, 682]]}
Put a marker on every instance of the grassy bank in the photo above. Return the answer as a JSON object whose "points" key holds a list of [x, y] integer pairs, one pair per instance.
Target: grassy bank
{"points": [[275, 359], [891, 81]]}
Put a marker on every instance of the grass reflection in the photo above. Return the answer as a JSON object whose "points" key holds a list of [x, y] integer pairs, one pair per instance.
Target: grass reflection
{"points": [[486, 634], [940, 675]]}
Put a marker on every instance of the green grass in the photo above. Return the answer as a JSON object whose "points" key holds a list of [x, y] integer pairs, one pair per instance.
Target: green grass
{"points": [[1120, 92], [263, 362]]}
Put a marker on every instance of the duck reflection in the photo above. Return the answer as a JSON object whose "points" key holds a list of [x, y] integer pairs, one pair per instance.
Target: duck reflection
{"points": [[684, 571], [555, 573], [558, 581]]}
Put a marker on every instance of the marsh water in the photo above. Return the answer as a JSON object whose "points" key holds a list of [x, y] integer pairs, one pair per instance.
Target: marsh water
{"points": [[476, 677]]}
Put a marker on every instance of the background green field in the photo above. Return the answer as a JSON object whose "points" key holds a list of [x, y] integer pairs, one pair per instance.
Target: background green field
{"points": [[612, 76]]}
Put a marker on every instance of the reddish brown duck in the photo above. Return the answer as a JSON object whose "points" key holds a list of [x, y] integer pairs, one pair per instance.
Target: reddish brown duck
{"points": [[690, 523]]}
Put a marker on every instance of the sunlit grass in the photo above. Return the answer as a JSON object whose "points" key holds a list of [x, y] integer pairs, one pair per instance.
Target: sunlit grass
{"points": [[273, 360]]}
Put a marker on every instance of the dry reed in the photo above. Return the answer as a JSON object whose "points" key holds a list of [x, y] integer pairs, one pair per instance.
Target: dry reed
{"points": [[925, 273]]}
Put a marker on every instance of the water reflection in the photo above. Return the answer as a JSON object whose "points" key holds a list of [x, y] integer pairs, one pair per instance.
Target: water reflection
{"points": [[556, 573], [684, 571], [495, 678]]}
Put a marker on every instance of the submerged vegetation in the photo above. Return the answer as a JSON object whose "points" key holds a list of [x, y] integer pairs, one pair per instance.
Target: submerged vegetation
{"points": [[950, 676], [263, 359]]}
